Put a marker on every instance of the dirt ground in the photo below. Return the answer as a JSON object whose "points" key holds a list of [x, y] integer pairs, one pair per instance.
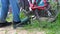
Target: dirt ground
{"points": [[10, 30]]}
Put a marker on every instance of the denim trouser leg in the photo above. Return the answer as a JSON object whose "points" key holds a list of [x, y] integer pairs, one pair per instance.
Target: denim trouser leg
{"points": [[15, 10], [5, 7], [4, 10]]}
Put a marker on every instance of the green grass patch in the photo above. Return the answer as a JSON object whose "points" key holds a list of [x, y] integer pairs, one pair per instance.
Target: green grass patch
{"points": [[49, 28]]}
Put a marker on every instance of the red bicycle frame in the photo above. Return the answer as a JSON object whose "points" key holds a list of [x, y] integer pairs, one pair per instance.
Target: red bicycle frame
{"points": [[34, 6]]}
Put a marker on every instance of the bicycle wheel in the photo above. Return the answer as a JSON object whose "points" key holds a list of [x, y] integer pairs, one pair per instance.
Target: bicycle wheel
{"points": [[52, 12]]}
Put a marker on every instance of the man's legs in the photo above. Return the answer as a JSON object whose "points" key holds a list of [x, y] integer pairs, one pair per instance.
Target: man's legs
{"points": [[4, 11], [15, 10]]}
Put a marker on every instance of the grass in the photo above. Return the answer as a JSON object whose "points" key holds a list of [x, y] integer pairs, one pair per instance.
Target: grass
{"points": [[49, 28]]}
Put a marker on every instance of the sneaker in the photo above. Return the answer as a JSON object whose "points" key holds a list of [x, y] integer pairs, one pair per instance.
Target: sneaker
{"points": [[21, 23], [5, 24], [15, 24]]}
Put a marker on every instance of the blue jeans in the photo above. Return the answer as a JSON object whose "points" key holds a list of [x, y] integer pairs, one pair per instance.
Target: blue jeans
{"points": [[5, 7]]}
